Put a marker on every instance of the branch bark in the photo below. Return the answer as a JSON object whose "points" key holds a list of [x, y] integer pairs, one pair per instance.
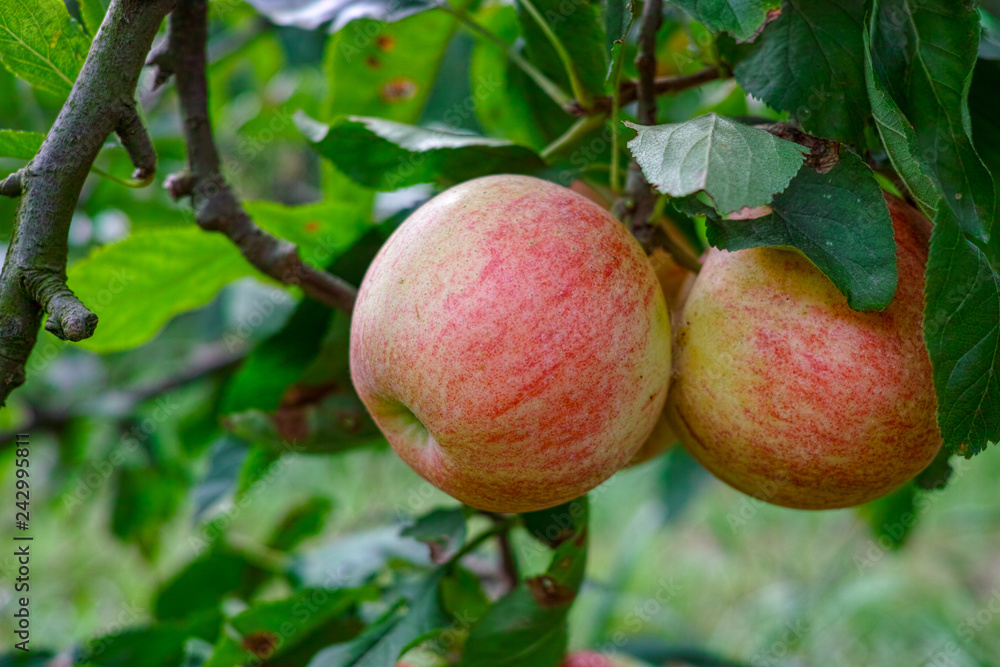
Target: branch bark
{"points": [[101, 102], [636, 207], [217, 207]]}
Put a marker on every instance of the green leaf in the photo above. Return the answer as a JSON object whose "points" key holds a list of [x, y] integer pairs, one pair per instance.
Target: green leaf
{"points": [[387, 69], [923, 53], [226, 459], [985, 120], [740, 18], [528, 625], [161, 645], [300, 523], [892, 517], [900, 141], [201, 585], [403, 627], [20, 145], [356, 558], [737, 165], [962, 331], [145, 499], [92, 12], [579, 26], [321, 231], [839, 220], [184, 267], [443, 530], [41, 44], [810, 62], [387, 155], [272, 629]]}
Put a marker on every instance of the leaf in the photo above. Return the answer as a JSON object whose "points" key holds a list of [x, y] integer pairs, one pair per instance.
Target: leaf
{"points": [[145, 499], [528, 625], [617, 23], [311, 14], [20, 145], [272, 629], [300, 523], [442, 530], [321, 231], [184, 267], [386, 69], [201, 585], [352, 560], [985, 120], [225, 462], [923, 54], [41, 44], [900, 141], [892, 517], [839, 220], [579, 26], [740, 18], [92, 12], [401, 628], [737, 165], [386, 155], [161, 645], [810, 62], [962, 332]]}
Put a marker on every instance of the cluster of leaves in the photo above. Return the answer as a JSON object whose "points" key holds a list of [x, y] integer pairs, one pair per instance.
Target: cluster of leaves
{"points": [[857, 97]]}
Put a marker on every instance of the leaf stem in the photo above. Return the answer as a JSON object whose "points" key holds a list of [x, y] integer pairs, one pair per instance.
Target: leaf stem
{"points": [[576, 83], [548, 86], [614, 177], [500, 528], [575, 132]]}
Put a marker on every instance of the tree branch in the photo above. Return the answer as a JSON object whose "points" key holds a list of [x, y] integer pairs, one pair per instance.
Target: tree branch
{"points": [[217, 208], [636, 207], [137, 143], [34, 272], [668, 85]]}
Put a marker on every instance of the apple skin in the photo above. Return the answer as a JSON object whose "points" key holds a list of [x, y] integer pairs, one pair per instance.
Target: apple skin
{"points": [[512, 342], [785, 393], [587, 659]]}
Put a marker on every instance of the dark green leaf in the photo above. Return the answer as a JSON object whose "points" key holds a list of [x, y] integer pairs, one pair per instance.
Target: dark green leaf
{"points": [[985, 119], [311, 14], [935, 476], [401, 628], [892, 517], [923, 54], [900, 141], [617, 22], [737, 165], [184, 267], [145, 499], [161, 645], [740, 18], [839, 220], [962, 331], [386, 155], [20, 145], [300, 523], [34, 658], [810, 62], [462, 595], [528, 625], [443, 530], [579, 26], [41, 44], [201, 585]]}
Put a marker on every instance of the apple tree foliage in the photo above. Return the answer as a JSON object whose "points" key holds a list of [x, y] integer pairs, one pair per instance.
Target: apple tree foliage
{"points": [[809, 107]]}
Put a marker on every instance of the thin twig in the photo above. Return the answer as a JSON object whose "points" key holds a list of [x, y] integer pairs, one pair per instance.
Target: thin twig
{"points": [[34, 271], [636, 207], [217, 207], [137, 143]]}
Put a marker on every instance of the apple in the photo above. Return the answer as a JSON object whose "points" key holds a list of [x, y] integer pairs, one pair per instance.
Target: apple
{"points": [[596, 659], [787, 394], [512, 342]]}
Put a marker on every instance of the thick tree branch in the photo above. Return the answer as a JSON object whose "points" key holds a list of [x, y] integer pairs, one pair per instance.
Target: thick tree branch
{"points": [[34, 272], [217, 208], [636, 207]]}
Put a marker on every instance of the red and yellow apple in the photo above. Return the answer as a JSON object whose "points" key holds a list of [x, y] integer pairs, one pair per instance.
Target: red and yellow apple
{"points": [[787, 394], [512, 342]]}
